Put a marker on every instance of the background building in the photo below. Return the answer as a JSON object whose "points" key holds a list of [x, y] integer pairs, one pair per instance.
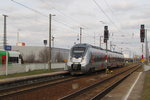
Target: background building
{"points": [[38, 53]]}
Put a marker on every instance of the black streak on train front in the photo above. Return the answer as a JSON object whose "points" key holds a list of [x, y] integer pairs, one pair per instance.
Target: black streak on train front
{"points": [[84, 58]]}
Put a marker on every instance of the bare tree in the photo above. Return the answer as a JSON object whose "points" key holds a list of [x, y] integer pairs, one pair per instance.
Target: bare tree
{"points": [[30, 58], [59, 57], [43, 55]]}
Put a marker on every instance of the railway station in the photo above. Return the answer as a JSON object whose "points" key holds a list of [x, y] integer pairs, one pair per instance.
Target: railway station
{"points": [[74, 50]]}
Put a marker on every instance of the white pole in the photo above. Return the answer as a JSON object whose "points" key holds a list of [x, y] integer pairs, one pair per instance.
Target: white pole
{"points": [[6, 63], [147, 51]]}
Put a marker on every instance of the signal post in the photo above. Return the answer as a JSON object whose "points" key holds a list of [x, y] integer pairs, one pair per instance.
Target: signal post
{"points": [[142, 37], [106, 37]]}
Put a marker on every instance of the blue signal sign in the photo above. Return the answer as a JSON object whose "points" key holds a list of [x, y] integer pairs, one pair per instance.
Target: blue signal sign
{"points": [[8, 47]]}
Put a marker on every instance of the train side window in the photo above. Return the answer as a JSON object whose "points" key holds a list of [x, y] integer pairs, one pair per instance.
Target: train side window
{"points": [[13, 59]]}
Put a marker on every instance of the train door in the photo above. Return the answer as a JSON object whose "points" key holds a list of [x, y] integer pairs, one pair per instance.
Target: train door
{"points": [[3, 59]]}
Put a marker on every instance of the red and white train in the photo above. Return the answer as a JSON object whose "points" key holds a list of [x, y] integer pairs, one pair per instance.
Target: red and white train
{"points": [[84, 58]]}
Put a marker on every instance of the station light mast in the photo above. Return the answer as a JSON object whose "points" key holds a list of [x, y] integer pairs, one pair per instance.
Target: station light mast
{"points": [[49, 58], [81, 34], [5, 36]]}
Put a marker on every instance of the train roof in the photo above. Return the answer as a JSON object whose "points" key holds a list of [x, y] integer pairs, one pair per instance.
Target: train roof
{"points": [[82, 45], [89, 45], [14, 53], [86, 45]]}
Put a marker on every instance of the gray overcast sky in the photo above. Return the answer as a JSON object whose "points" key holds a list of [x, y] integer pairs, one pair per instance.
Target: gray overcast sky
{"points": [[123, 18]]}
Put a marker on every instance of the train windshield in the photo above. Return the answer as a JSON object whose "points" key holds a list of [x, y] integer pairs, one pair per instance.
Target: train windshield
{"points": [[78, 52]]}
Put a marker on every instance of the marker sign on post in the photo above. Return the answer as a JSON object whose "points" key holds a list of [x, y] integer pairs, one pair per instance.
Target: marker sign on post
{"points": [[8, 47]]}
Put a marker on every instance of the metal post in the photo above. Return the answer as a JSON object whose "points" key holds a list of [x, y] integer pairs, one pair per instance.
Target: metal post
{"points": [[110, 45], [49, 60], [106, 52], [5, 37], [81, 34], [106, 46], [133, 57], [142, 53], [17, 37], [6, 63], [147, 53], [142, 48], [100, 41], [121, 50], [146, 47], [107, 70], [53, 40], [94, 38]]}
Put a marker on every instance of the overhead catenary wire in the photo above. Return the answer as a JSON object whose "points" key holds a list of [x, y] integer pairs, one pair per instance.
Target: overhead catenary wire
{"points": [[109, 6], [36, 11], [112, 11], [29, 8], [43, 1], [101, 9]]}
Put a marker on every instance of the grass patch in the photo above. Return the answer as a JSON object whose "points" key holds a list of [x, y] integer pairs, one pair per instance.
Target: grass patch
{"points": [[26, 73], [146, 89]]}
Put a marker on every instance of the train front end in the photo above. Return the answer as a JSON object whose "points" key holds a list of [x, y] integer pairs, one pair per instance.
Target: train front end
{"points": [[77, 60]]}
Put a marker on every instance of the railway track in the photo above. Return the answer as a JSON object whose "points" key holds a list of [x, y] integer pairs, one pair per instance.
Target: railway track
{"points": [[98, 90], [54, 88], [19, 86], [8, 87], [24, 85]]}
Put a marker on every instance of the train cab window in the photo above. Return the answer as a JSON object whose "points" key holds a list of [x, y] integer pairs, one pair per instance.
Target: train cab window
{"points": [[13, 59], [78, 52]]}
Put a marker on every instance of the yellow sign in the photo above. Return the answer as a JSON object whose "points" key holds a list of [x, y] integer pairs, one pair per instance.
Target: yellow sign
{"points": [[65, 60], [142, 60]]}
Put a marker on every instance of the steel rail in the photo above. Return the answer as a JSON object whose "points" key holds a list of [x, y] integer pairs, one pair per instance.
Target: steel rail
{"points": [[31, 87], [29, 82], [5, 86], [72, 95], [108, 89], [36, 85]]}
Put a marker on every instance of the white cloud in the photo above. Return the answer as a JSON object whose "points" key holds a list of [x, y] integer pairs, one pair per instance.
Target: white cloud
{"points": [[70, 16]]}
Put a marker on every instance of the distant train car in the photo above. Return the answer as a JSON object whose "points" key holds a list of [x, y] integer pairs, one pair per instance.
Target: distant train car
{"points": [[13, 57], [3, 56], [85, 58]]}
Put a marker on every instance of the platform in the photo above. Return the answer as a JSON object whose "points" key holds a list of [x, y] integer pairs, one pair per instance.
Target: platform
{"points": [[130, 89], [31, 76]]}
